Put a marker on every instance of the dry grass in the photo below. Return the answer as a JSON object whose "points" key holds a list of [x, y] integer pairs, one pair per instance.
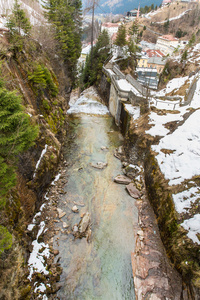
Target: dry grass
{"points": [[189, 23]]}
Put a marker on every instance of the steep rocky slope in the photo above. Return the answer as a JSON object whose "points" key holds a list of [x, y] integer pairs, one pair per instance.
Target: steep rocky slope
{"points": [[35, 77], [184, 16]]}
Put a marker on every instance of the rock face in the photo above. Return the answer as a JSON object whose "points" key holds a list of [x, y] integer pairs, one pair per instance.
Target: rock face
{"points": [[122, 179], [154, 277], [99, 165], [133, 191]]}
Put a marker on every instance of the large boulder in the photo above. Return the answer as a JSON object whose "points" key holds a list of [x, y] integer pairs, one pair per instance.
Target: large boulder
{"points": [[122, 179], [133, 191], [84, 223]]}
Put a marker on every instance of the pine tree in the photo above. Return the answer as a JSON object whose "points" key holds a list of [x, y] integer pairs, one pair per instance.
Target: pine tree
{"points": [[16, 135], [121, 36], [65, 16], [134, 31], [19, 26], [100, 53]]}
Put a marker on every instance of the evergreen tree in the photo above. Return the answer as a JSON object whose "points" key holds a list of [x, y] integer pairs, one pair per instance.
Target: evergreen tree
{"points": [[16, 135], [121, 36], [184, 56], [166, 26], [19, 26], [65, 16], [192, 40], [99, 55], [134, 31]]}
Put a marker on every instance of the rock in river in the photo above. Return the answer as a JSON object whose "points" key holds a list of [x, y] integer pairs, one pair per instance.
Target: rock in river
{"points": [[133, 191], [122, 179], [61, 213], [75, 209], [84, 223], [99, 165]]}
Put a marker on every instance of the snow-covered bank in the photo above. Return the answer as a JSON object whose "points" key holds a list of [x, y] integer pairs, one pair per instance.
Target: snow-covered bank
{"points": [[178, 151]]}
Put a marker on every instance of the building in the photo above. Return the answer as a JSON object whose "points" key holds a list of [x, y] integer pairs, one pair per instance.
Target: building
{"points": [[133, 14], [157, 63], [111, 28], [142, 61], [154, 53], [167, 44], [148, 77]]}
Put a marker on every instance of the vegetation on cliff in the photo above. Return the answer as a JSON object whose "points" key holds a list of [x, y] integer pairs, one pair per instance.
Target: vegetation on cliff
{"points": [[32, 125], [65, 16], [19, 26], [91, 73]]}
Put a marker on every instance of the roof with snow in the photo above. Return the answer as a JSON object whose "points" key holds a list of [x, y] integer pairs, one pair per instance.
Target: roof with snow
{"points": [[108, 25], [153, 52]]}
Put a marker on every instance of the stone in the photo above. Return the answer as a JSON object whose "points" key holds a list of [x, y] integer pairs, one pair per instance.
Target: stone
{"points": [[120, 150], [56, 252], [104, 148], [134, 193], [79, 204], [122, 179], [65, 225], [75, 228], [61, 213], [84, 223], [99, 165], [132, 170], [75, 209], [89, 234], [125, 164]]}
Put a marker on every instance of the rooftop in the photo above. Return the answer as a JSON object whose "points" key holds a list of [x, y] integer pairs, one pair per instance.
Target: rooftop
{"points": [[153, 53], [157, 60], [168, 37], [110, 25]]}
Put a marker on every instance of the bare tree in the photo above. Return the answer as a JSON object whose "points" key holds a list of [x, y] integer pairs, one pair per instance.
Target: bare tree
{"points": [[91, 5]]}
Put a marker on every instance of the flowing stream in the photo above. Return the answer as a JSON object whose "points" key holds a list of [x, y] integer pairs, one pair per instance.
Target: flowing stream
{"points": [[100, 269]]}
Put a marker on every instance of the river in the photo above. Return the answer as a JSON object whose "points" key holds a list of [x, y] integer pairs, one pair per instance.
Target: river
{"points": [[99, 269]]}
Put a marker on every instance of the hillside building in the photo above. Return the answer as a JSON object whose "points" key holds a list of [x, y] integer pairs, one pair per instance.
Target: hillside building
{"points": [[142, 61], [148, 77], [167, 44], [154, 53], [111, 28], [157, 63]]}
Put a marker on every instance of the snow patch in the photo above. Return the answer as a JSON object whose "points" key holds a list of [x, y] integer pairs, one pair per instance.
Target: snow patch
{"points": [[184, 162], [193, 227], [87, 106], [41, 156], [183, 200]]}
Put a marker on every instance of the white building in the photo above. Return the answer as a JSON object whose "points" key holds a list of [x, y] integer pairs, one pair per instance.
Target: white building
{"points": [[111, 28], [167, 43]]}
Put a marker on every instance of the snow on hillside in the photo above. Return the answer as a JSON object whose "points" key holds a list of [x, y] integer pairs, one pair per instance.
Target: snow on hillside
{"points": [[184, 161], [178, 153], [175, 18]]}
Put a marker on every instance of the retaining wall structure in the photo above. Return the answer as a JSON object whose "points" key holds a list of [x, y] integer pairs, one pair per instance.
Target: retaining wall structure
{"points": [[124, 89]]}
